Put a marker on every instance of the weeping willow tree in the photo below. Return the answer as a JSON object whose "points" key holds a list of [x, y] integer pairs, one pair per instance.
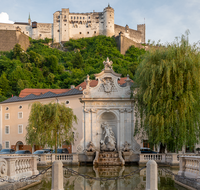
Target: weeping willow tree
{"points": [[168, 95], [50, 124]]}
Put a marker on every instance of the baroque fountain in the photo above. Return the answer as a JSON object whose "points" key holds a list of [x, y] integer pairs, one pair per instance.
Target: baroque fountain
{"points": [[108, 121]]}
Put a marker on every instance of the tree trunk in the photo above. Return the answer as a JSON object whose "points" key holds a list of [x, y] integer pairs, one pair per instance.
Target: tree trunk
{"points": [[56, 143], [162, 148]]}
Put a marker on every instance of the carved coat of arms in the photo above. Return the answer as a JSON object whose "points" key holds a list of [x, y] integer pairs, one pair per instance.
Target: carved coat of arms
{"points": [[107, 84]]}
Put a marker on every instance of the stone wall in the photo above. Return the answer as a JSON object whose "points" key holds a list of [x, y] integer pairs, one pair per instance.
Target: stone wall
{"points": [[8, 39], [135, 35], [124, 43]]}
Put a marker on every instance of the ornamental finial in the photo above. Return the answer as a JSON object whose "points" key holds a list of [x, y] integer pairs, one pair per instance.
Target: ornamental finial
{"points": [[107, 64]]}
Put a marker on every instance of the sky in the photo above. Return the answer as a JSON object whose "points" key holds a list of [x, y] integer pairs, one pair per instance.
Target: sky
{"points": [[165, 19]]}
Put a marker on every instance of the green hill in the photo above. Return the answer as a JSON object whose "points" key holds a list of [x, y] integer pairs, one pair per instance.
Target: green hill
{"points": [[44, 67]]}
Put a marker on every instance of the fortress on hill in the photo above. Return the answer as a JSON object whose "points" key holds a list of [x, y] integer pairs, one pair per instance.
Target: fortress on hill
{"points": [[68, 25]]}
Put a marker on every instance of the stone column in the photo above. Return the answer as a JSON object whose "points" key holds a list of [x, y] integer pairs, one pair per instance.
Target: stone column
{"points": [[57, 176], [182, 163], [87, 129], [34, 165], [11, 167], [129, 131], [121, 128], [93, 124], [152, 175]]}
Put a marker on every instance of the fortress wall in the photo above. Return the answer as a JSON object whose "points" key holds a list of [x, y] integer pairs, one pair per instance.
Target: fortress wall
{"points": [[125, 43], [8, 39], [85, 25], [135, 35], [119, 29], [44, 30], [129, 33], [23, 40]]}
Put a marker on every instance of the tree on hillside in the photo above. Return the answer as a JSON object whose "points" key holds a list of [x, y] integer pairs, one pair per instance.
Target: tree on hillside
{"points": [[168, 95], [50, 124]]}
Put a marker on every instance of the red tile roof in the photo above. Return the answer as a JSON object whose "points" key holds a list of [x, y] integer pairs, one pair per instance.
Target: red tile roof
{"points": [[38, 91], [94, 83], [35, 91]]}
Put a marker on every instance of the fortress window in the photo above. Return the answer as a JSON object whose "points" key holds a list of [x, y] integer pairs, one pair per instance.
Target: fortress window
{"points": [[7, 108], [65, 30], [65, 16], [67, 102], [65, 24], [40, 34], [80, 33], [95, 32], [58, 30], [87, 32], [89, 17]]}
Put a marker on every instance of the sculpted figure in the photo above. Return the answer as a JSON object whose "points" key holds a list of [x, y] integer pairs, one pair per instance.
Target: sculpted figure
{"points": [[107, 64], [90, 147], [109, 136], [126, 147]]}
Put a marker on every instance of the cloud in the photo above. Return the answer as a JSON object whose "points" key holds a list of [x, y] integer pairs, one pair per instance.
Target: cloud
{"points": [[4, 18]]}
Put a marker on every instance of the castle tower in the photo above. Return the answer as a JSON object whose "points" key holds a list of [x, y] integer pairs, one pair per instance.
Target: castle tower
{"points": [[64, 25], [29, 19], [108, 28], [56, 27], [141, 28]]}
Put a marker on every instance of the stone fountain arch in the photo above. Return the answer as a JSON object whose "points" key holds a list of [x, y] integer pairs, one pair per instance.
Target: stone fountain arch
{"points": [[112, 119]]}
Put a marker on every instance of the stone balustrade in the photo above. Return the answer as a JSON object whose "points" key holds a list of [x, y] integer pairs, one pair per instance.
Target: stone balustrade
{"points": [[189, 166], [44, 159], [15, 167], [171, 159]]}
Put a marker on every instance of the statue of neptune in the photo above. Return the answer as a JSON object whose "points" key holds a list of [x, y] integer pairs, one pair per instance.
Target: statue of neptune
{"points": [[109, 136]]}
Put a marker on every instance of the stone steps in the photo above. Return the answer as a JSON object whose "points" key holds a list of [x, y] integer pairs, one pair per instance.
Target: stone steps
{"points": [[109, 159]]}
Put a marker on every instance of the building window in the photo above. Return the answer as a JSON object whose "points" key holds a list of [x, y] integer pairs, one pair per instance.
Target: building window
{"points": [[20, 107], [80, 88], [80, 17], [71, 17], [65, 16], [7, 116], [77, 17], [58, 17], [7, 144], [20, 129], [20, 115], [79, 32], [74, 17], [40, 34], [7, 129], [65, 24], [7, 108], [67, 102], [83, 17], [145, 143], [95, 32], [87, 32], [89, 17], [58, 30]]}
